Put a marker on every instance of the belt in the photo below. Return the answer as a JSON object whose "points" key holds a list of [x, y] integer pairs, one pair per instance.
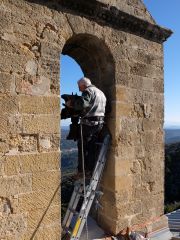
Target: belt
{"points": [[94, 118]]}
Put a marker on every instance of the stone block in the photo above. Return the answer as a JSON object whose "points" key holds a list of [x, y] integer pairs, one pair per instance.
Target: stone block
{"points": [[24, 30], [11, 165], [50, 50], [138, 192], [39, 105], [135, 82], [4, 124], [118, 167], [1, 165], [45, 180], [139, 152], [123, 79], [15, 185], [33, 85], [12, 63], [125, 153], [123, 194], [23, 143], [118, 183], [31, 163], [120, 109], [12, 225], [49, 142], [39, 200], [158, 85], [7, 83], [33, 124], [146, 57], [15, 123], [121, 93], [8, 104], [147, 84], [146, 70], [123, 66], [136, 167], [137, 180], [31, 67], [149, 125], [43, 217], [4, 146]]}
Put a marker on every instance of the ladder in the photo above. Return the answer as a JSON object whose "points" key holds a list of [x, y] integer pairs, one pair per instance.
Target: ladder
{"points": [[74, 230]]}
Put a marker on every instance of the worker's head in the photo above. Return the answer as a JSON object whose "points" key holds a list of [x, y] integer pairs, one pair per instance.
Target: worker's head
{"points": [[83, 83]]}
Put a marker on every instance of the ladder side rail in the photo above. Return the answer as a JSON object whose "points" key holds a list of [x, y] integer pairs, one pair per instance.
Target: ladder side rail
{"points": [[90, 194], [85, 208], [94, 182], [83, 216], [105, 142], [72, 205], [100, 163]]}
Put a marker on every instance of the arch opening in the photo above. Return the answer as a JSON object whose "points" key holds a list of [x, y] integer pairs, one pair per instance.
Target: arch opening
{"points": [[96, 63], [94, 58]]}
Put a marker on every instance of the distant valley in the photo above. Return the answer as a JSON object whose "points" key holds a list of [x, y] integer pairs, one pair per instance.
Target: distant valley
{"points": [[69, 160], [172, 135], [69, 154]]}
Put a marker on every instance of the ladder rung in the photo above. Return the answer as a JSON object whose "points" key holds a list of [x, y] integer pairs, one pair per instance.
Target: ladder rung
{"points": [[90, 194], [73, 211]]}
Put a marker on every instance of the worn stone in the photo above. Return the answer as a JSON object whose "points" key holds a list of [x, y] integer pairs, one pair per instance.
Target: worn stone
{"points": [[49, 142], [33, 124], [38, 200], [15, 185], [7, 83], [39, 180], [30, 163], [12, 225], [39, 105]]}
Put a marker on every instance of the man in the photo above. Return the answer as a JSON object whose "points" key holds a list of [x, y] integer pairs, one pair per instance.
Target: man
{"points": [[91, 105]]}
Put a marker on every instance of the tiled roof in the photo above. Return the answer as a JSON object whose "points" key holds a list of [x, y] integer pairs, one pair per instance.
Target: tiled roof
{"points": [[174, 223]]}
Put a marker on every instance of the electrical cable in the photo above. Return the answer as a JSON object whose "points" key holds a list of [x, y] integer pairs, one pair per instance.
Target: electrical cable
{"points": [[84, 175]]}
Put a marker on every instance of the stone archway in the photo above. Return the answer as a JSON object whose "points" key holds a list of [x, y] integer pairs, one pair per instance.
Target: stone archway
{"points": [[120, 48], [97, 63], [94, 58]]}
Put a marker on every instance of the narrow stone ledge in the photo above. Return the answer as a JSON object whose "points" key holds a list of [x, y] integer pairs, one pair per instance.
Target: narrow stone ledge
{"points": [[112, 16]]}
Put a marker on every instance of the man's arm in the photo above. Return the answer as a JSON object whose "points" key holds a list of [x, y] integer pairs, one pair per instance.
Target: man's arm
{"points": [[83, 102]]}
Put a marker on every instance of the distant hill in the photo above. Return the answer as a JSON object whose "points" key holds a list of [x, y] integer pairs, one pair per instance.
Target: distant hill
{"points": [[172, 172], [172, 135], [69, 154]]}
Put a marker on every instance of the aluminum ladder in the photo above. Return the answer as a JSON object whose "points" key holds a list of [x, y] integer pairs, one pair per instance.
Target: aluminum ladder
{"points": [[72, 230]]}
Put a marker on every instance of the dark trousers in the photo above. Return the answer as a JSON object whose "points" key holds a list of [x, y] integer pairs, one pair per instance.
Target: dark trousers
{"points": [[91, 149]]}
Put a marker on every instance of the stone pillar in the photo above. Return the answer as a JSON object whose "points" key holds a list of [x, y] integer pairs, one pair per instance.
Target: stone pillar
{"points": [[29, 126]]}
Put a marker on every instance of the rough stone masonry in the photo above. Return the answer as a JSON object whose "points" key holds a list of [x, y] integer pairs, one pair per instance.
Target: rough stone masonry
{"points": [[119, 46]]}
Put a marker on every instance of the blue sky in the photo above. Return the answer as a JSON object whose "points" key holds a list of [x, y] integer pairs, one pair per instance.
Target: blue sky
{"points": [[167, 14]]}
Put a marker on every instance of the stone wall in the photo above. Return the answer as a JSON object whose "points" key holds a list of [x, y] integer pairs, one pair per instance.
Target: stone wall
{"points": [[126, 66], [30, 115]]}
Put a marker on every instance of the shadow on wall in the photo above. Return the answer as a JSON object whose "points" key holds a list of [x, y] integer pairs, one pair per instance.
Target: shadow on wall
{"points": [[45, 212]]}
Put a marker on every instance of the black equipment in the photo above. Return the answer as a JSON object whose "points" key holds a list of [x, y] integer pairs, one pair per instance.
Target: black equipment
{"points": [[70, 112]]}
